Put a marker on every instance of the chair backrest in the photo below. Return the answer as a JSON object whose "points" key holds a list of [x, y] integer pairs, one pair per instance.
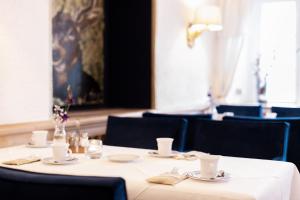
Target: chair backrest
{"points": [[264, 140], [293, 152], [184, 116], [255, 111], [190, 120], [286, 112], [142, 132], [16, 184]]}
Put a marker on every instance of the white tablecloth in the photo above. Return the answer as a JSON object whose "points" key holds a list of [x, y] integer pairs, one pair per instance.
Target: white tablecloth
{"points": [[251, 179]]}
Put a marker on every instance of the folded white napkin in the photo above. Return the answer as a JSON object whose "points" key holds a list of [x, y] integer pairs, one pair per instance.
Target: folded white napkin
{"points": [[22, 161], [168, 178]]}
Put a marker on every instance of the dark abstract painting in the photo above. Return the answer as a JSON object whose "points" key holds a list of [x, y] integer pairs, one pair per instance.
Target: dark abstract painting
{"points": [[77, 50]]}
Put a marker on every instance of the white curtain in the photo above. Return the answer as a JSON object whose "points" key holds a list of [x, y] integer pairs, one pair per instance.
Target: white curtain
{"points": [[298, 50], [228, 47]]}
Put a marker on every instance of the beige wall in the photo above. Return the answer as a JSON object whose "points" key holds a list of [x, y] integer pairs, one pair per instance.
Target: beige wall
{"points": [[25, 64], [180, 73]]}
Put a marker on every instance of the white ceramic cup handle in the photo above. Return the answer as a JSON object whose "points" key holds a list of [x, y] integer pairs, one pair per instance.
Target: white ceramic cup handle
{"points": [[69, 152], [31, 141]]}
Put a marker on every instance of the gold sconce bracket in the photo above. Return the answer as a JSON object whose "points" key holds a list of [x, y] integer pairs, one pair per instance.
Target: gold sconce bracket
{"points": [[206, 18], [192, 35]]}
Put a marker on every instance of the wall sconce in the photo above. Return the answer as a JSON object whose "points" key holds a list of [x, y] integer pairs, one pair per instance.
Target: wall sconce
{"points": [[207, 18]]}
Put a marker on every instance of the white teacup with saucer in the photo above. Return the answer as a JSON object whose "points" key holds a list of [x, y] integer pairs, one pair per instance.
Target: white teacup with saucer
{"points": [[38, 138], [164, 146], [209, 166], [61, 152]]}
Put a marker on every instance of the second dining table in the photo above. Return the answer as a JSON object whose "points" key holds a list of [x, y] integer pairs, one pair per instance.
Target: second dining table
{"points": [[249, 179]]}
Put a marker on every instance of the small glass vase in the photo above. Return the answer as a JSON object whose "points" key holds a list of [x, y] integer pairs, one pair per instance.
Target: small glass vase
{"points": [[60, 134], [94, 150]]}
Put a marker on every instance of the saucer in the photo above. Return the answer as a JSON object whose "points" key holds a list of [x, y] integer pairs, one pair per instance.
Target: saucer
{"points": [[51, 161], [156, 154], [29, 145], [221, 176], [123, 157]]}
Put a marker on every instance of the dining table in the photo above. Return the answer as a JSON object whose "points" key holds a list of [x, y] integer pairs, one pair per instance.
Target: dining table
{"points": [[248, 179]]}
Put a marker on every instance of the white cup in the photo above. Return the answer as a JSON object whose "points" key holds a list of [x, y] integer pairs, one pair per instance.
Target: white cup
{"points": [[39, 138], [209, 165], [271, 115], [164, 146], [230, 114], [61, 151]]}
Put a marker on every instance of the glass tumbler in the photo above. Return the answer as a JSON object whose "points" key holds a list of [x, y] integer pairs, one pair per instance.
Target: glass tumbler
{"points": [[94, 150]]}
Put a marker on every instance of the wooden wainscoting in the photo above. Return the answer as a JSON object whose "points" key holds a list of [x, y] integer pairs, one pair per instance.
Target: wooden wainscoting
{"points": [[93, 122]]}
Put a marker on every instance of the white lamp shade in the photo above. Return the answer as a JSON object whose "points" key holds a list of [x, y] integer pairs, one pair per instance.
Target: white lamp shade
{"points": [[210, 16]]}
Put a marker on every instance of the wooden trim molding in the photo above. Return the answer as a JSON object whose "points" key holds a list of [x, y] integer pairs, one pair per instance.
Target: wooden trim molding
{"points": [[93, 122]]}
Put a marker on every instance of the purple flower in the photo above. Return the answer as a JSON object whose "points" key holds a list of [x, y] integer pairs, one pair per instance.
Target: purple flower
{"points": [[60, 113], [65, 117]]}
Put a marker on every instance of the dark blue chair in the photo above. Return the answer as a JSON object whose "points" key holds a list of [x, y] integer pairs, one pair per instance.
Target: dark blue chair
{"points": [[263, 140], [293, 153], [255, 111], [184, 116], [286, 112], [142, 132], [190, 118], [16, 184]]}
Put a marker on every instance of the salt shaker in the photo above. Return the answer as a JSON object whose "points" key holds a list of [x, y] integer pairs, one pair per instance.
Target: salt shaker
{"points": [[83, 142]]}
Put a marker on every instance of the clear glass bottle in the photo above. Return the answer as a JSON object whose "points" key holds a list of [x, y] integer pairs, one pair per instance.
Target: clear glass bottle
{"points": [[74, 138], [60, 133]]}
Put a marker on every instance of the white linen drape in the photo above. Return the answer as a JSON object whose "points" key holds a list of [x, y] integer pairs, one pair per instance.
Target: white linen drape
{"points": [[228, 47], [298, 50]]}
